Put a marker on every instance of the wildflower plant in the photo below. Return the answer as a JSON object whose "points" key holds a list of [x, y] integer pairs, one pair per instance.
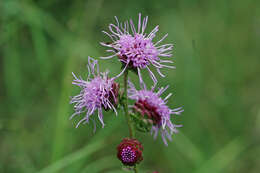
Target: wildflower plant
{"points": [[136, 50]]}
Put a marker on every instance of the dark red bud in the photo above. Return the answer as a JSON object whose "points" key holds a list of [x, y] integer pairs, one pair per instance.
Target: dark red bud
{"points": [[129, 152]]}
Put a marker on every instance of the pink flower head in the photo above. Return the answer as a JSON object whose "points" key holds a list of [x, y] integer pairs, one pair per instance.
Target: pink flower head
{"points": [[151, 106], [97, 92], [136, 49]]}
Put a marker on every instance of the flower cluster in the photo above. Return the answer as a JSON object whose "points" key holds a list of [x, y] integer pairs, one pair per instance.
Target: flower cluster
{"points": [[136, 50]]}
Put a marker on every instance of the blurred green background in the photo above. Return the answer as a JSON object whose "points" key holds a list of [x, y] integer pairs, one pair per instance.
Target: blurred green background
{"points": [[216, 80]]}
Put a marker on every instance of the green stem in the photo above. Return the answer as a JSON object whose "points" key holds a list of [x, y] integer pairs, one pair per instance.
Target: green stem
{"points": [[125, 104], [135, 169]]}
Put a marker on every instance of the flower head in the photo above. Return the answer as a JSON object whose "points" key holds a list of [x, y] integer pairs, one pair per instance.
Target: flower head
{"points": [[129, 151], [149, 105], [136, 50], [97, 92]]}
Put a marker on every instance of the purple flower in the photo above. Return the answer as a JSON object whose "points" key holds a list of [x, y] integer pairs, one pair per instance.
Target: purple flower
{"points": [[97, 92], [152, 107], [136, 49]]}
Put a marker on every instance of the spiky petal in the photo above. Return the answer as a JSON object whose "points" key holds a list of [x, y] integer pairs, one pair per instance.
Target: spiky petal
{"points": [[97, 92], [136, 49]]}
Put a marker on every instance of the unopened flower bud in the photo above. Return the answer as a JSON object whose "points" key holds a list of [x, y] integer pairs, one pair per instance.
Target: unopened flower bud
{"points": [[129, 151]]}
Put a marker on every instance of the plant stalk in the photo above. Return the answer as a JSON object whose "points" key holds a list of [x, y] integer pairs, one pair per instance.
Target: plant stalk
{"points": [[128, 118], [125, 104], [135, 169]]}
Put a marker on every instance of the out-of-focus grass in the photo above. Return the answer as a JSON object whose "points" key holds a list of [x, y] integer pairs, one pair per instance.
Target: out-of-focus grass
{"points": [[216, 80]]}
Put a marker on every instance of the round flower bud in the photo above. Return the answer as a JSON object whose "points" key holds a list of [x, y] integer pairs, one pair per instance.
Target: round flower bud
{"points": [[129, 151]]}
